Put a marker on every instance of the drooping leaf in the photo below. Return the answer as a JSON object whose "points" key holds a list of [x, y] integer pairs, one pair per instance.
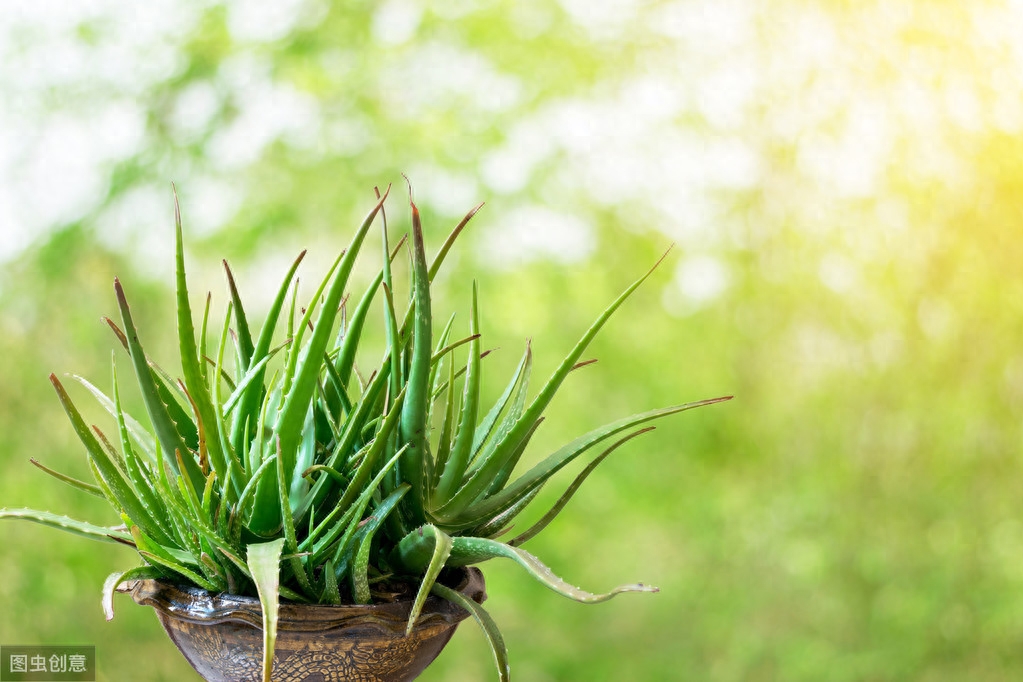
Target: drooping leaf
{"points": [[423, 551], [264, 563], [486, 623], [467, 550], [115, 579]]}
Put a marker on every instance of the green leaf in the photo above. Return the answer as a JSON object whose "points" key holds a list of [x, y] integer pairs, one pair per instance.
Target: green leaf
{"points": [[191, 367], [331, 591], [254, 374], [468, 550], [158, 555], [137, 471], [353, 332], [485, 440], [248, 493], [425, 550], [413, 428], [390, 318], [264, 564], [442, 254], [564, 499], [351, 519], [115, 579], [486, 623], [297, 332], [357, 489], [73, 482], [506, 448], [333, 473], [336, 396], [202, 337], [360, 567], [245, 345], [458, 459], [214, 571], [174, 398], [296, 402], [444, 442], [249, 400], [236, 561], [391, 325], [233, 482], [437, 361], [536, 476], [186, 573], [166, 431], [139, 434], [290, 540], [111, 474], [365, 411], [438, 355], [505, 473], [502, 523], [69, 525]]}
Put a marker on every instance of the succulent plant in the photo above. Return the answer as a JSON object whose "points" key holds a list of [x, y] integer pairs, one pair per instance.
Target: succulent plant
{"points": [[279, 470]]}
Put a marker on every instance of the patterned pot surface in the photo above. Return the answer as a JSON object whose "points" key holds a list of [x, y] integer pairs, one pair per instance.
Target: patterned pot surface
{"points": [[221, 635]]}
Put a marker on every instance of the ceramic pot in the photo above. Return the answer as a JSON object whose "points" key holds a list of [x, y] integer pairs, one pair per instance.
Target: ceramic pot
{"points": [[221, 635]]}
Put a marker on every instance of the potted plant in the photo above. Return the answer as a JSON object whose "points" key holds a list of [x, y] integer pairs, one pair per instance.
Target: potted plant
{"points": [[300, 519]]}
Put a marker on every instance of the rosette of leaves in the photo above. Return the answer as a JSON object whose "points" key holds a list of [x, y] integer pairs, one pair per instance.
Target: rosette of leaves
{"points": [[274, 468]]}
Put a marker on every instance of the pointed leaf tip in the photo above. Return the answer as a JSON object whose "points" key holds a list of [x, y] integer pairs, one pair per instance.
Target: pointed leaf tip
{"points": [[662, 258], [177, 207], [119, 291]]}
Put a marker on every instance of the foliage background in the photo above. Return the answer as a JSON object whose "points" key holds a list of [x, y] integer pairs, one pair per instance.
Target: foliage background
{"points": [[841, 181]]}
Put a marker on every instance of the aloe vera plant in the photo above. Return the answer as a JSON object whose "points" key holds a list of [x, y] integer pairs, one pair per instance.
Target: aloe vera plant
{"points": [[274, 468]]}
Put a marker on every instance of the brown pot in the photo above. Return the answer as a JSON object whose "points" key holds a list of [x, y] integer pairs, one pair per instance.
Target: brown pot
{"points": [[221, 635]]}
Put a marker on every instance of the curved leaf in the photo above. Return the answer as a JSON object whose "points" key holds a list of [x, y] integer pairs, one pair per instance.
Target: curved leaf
{"points": [[466, 551]]}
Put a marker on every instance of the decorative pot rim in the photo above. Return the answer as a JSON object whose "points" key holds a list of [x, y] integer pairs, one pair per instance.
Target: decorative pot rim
{"points": [[196, 605]]}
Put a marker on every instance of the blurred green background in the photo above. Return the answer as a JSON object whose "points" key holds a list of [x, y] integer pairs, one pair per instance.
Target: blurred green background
{"points": [[842, 182]]}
